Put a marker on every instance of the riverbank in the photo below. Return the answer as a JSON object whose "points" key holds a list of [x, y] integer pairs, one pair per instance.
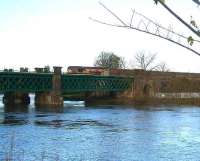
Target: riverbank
{"points": [[143, 101]]}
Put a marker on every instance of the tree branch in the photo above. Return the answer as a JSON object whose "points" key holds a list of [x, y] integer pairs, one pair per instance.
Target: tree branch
{"points": [[130, 26], [179, 18], [147, 32], [164, 28], [112, 13]]}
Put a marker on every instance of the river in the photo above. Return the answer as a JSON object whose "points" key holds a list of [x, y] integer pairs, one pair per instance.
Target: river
{"points": [[101, 133]]}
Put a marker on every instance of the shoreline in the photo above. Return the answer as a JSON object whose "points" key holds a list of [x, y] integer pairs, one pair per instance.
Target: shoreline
{"points": [[143, 101]]}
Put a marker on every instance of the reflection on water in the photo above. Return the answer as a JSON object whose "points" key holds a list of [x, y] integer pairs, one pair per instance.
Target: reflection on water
{"points": [[10, 115], [68, 124], [16, 109], [100, 133], [49, 110]]}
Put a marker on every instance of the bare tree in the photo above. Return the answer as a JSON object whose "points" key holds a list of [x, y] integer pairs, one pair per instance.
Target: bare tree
{"points": [[144, 61], [163, 67], [148, 26], [148, 62]]}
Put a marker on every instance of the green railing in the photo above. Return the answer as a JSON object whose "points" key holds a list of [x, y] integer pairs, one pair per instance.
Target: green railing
{"points": [[94, 83], [39, 82], [25, 82]]}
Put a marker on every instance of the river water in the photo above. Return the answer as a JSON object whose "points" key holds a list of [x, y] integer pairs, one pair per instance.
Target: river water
{"points": [[101, 133]]}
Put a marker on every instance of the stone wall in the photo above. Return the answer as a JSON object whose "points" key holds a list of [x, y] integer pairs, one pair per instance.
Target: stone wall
{"points": [[166, 84]]}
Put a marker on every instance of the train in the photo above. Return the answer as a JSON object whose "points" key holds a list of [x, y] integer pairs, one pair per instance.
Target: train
{"points": [[86, 70], [98, 71]]}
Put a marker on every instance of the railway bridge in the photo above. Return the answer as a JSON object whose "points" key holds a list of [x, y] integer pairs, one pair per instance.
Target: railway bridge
{"points": [[49, 87]]}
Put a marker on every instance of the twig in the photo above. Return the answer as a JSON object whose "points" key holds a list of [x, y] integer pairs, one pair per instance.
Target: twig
{"points": [[112, 13], [133, 12]]}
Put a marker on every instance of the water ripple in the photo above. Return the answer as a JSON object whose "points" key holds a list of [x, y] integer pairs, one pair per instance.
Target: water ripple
{"points": [[69, 124]]}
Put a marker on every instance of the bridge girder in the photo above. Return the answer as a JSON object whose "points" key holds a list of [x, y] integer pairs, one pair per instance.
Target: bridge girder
{"points": [[42, 82]]}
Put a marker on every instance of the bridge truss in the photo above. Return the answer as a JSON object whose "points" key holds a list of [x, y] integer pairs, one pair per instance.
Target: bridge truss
{"points": [[41, 82]]}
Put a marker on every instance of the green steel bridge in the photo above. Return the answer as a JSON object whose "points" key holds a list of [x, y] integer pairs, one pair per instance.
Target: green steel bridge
{"points": [[42, 82]]}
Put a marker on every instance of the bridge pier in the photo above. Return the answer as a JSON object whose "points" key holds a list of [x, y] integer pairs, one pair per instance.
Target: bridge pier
{"points": [[16, 98], [54, 97], [48, 99]]}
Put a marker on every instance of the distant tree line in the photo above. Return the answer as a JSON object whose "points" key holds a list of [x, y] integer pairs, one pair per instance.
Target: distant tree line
{"points": [[141, 60]]}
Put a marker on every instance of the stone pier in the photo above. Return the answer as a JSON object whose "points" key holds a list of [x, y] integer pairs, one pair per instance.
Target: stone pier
{"points": [[48, 99], [54, 97], [16, 98]]}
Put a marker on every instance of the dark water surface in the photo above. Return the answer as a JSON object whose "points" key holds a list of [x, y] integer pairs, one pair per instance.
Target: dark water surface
{"points": [[104, 133]]}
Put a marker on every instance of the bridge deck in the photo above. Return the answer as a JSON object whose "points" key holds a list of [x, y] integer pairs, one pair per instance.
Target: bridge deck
{"points": [[36, 82]]}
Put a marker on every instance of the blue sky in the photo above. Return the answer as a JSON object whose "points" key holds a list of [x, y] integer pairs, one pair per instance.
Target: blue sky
{"points": [[58, 32]]}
